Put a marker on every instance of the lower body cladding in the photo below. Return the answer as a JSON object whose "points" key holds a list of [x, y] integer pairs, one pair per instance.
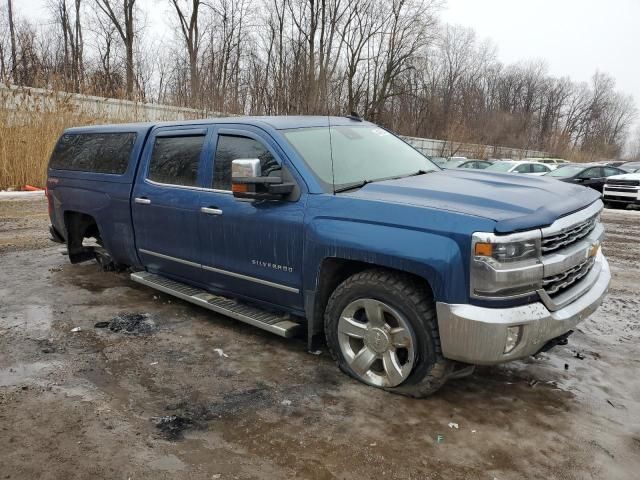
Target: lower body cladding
{"points": [[488, 336]]}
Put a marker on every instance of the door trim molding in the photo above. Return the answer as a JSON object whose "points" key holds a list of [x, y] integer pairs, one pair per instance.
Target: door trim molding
{"points": [[168, 257], [223, 272]]}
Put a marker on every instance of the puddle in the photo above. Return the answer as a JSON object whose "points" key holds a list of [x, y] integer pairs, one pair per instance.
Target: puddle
{"points": [[192, 416]]}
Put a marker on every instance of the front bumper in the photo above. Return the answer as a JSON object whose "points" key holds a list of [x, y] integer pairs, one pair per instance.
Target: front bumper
{"points": [[477, 335], [621, 194]]}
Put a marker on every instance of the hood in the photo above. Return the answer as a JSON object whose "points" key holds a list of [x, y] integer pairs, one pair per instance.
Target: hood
{"points": [[625, 176], [515, 202]]}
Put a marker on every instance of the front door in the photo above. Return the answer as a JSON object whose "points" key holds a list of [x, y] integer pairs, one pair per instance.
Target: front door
{"points": [[166, 201], [593, 177], [251, 249]]}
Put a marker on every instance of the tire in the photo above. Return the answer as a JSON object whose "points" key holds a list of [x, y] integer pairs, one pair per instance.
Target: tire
{"points": [[400, 331]]}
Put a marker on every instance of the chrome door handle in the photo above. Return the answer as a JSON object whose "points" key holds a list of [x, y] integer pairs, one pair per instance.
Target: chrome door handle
{"points": [[211, 211], [142, 200]]}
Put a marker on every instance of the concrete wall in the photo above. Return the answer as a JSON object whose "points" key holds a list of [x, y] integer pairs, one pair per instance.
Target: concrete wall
{"points": [[21, 99], [444, 148]]}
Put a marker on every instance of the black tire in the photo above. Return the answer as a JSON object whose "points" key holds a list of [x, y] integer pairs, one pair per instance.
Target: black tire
{"points": [[411, 298]]}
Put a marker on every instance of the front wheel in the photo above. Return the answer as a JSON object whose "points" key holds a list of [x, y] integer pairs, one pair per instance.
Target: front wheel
{"points": [[381, 329]]}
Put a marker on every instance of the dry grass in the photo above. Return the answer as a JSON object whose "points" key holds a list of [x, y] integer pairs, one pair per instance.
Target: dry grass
{"points": [[28, 134]]}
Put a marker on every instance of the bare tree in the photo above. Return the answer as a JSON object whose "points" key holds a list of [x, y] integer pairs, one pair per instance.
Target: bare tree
{"points": [[190, 30], [12, 34], [123, 21], [70, 23]]}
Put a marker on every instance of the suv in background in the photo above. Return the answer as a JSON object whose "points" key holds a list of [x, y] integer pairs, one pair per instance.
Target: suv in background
{"points": [[622, 190]]}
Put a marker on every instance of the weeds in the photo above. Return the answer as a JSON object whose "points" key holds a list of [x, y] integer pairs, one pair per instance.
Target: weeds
{"points": [[31, 120]]}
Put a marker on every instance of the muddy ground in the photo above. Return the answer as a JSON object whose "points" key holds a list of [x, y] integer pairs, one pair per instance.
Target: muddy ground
{"points": [[169, 390]]}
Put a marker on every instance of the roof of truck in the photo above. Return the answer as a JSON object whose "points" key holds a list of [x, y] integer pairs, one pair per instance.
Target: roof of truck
{"points": [[280, 122]]}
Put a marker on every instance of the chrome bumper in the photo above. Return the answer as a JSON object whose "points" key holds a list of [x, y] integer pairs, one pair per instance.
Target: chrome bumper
{"points": [[477, 335]]}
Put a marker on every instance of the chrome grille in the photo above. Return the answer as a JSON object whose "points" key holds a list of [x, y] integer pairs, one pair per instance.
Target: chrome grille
{"points": [[568, 236], [555, 284], [628, 183]]}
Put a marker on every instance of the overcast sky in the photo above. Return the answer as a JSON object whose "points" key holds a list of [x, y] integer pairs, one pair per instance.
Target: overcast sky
{"points": [[574, 37]]}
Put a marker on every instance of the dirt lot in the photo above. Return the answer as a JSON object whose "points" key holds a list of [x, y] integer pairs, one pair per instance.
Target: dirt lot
{"points": [[149, 396]]}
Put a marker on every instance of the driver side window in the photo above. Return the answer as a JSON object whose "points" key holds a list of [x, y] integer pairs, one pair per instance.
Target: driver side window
{"points": [[234, 147], [591, 173]]}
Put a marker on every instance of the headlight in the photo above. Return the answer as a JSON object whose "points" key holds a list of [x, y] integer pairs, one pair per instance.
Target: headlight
{"points": [[505, 266]]}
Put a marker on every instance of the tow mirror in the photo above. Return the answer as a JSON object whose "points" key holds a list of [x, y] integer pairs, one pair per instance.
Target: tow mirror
{"points": [[247, 182]]}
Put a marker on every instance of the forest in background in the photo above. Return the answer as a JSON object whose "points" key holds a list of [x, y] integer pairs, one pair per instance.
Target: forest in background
{"points": [[392, 61]]}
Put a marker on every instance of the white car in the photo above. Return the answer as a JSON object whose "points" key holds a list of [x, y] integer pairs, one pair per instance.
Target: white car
{"points": [[622, 190], [513, 166], [552, 163]]}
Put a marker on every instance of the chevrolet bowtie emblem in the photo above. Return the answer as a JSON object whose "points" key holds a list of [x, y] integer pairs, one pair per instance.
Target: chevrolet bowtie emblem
{"points": [[593, 250]]}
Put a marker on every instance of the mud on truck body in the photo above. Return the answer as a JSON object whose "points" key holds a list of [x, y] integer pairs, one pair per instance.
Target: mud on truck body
{"points": [[336, 228]]}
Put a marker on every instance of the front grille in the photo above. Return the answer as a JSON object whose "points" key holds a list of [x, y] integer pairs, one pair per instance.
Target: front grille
{"points": [[628, 183], [568, 236], [556, 284], [620, 198], [618, 189]]}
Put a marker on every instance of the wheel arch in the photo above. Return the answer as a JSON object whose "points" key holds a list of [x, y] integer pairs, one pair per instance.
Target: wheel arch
{"points": [[331, 272], [78, 226]]}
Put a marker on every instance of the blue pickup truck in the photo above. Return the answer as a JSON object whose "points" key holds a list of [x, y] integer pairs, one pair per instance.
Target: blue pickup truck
{"points": [[335, 228]]}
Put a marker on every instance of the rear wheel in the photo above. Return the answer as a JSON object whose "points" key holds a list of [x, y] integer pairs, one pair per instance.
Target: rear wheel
{"points": [[381, 328]]}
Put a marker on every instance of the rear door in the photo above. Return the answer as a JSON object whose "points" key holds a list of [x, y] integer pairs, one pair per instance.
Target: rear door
{"points": [[166, 201], [251, 249]]}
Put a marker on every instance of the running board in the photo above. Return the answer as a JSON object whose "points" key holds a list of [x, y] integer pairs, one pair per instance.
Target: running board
{"points": [[280, 325]]}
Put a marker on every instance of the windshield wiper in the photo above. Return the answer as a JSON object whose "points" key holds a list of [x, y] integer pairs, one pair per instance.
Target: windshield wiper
{"points": [[420, 172], [352, 186], [414, 174]]}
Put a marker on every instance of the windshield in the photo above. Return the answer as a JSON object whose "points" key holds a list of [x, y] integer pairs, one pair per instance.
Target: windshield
{"points": [[360, 153], [569, 171], [500, 167]]}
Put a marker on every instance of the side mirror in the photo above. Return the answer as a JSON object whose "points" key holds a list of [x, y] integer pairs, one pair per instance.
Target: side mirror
{"points": [[247, 182]]}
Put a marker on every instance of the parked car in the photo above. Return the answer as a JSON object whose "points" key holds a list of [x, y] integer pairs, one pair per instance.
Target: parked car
{"points": [[613, 163], [515, 166], [622, 190], [334, 226], [588, 175], [440, 161], [475, 164], [551, 162], [630, 166]]}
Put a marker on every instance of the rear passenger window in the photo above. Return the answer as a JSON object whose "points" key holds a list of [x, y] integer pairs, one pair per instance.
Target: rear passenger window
{"points": [[539, 168], [233, 147], [93, 152], [175, 160], [524, 168]]}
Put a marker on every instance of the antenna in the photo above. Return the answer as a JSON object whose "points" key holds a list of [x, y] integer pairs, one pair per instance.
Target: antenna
{"points": [[333, 173]]}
